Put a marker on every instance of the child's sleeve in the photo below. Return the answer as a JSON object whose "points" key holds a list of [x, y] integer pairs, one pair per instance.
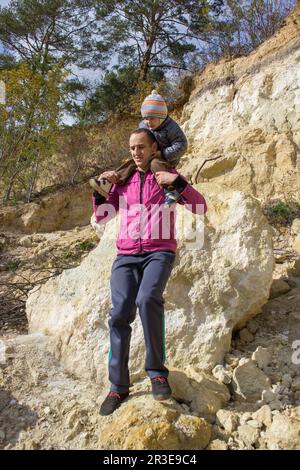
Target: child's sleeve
{"points": [[178, 144]]}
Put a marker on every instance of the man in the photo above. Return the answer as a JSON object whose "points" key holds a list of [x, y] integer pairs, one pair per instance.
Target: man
{"points": [[146, 253]]}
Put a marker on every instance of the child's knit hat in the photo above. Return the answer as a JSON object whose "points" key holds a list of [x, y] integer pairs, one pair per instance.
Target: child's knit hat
{"points": [[154, 106]]}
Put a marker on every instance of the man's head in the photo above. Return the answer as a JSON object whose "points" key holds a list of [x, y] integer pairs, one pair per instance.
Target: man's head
{"points": [[142, 145]]}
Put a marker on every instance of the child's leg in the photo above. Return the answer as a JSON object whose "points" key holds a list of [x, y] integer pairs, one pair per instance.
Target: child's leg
{"points": [[126, 170], [159, 164], [171, 195]]}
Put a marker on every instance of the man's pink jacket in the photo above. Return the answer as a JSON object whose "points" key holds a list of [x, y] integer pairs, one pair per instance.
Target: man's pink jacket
{"points": [[145, 225]]}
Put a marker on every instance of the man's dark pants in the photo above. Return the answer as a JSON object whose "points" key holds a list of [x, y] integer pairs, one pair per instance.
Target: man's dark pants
{"points": [[138, 281]]}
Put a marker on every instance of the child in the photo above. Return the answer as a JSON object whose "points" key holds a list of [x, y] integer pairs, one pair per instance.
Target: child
{"points": [[171, 141]]}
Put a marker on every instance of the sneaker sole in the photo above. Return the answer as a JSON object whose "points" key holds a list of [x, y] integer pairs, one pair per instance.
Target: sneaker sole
{"points": [[94, 185], [161, 397]]}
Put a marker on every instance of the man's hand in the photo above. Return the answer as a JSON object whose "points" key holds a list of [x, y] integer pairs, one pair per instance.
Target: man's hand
{"points": [[111, 176], [165, 178]]}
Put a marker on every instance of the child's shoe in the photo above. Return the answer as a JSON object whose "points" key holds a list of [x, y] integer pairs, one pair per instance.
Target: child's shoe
{"points": [[171, 197], [102, 186]]}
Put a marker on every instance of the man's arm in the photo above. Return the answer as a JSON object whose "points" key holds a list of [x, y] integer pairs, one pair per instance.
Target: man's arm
{"points": [[191, 198]]}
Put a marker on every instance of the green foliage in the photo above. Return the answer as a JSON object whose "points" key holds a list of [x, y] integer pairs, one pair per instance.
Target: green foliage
{"points": [[13, 265], [43, 32], [85, 246], [244, 25], [152, 34], [120, 92], [28, 127], [281, 212]]}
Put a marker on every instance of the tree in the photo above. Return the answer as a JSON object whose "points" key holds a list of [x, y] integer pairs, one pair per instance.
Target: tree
{"points": [[116, 94], [43, 32], [28, 127], [244, 25], [149, 34]]}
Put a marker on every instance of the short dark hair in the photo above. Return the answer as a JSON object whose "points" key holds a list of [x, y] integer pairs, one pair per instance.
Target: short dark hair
{"points": [[141, 130]]}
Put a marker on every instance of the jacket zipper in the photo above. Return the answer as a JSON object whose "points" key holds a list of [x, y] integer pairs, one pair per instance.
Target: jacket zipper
{"points": [[142, 178]]}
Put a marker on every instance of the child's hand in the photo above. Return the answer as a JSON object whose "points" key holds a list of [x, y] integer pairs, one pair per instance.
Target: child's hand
{"points": [[165, 178], [156, 154], [111, 176]]}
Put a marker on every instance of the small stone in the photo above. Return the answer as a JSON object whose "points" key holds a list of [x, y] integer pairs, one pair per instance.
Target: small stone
{"points": [[252, 326], [26, 241], [227, 420], [245, 417], [2, 436], [249, 381], [263, 415], [231, 360], [262, 356], [275, 405], [222, 374], [254, 423], [279, 287], [296, 384], [217, 444], [268, 396], [248, 434], [46, 410], [246, 336]]}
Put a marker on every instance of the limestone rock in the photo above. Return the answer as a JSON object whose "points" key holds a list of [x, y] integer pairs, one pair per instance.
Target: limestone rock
{"points": [[248, 434], [222, 374], [262, 356], [227, 420], [62, 210], [284, 433], [211, 291], [202, 392], [249, 381], [295, 227], [294, 268], [296, 244], [243, 117], [217, 444], [279, 287], [252, 326], [263, 415], [149, 425], [246, 336]]}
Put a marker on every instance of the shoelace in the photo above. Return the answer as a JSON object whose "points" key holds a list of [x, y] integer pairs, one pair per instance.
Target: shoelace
{"points": [[114, 394], [162, 380]]}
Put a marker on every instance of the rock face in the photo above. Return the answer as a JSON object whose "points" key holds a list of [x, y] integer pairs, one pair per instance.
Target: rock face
{"points": [[60, 211], [211, 291], [244, 114]]}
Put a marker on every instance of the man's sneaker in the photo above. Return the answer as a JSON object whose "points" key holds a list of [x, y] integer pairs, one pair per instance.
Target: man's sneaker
{"points": [[102, 186], [161, 389], [171, 197], [112, 402]]}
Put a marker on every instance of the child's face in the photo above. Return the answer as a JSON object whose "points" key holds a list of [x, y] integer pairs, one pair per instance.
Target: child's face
{"points": [[152, 122]]}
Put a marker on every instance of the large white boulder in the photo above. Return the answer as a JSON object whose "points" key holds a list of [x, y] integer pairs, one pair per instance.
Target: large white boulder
{"points": [[212, 290]]}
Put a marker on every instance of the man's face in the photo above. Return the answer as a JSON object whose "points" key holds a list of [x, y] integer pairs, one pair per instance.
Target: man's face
{"points": [[141, 149]]}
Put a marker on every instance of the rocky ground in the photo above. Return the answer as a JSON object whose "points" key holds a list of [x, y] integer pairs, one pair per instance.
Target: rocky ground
{"points": [[256, 390]]}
